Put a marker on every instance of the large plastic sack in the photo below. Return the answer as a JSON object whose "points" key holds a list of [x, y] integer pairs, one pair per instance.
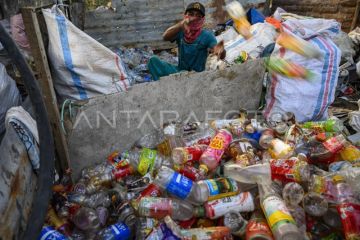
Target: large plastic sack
{"points": [[263, 35], [307, 99], [9, 95], [82, 67]]}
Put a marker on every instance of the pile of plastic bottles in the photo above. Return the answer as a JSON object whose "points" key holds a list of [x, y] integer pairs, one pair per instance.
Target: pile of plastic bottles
{"points": [[231, 179]]}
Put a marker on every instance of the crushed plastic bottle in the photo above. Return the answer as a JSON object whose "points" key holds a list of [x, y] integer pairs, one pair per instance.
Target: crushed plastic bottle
{"points": [[239, 178]]}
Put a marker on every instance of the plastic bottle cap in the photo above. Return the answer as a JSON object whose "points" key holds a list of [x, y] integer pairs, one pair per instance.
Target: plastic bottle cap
{"points": [[338, 178], [203, 168]]}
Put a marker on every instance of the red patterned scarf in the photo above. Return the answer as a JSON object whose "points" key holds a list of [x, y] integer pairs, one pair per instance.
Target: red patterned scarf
{"points": [[193, 29]]}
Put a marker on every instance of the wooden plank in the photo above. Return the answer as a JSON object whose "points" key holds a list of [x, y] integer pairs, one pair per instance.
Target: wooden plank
{"points": [[356, 16], [46, 84]]}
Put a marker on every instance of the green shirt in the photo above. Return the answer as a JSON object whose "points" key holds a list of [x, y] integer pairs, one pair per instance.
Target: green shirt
{"points": [[192, 56]]}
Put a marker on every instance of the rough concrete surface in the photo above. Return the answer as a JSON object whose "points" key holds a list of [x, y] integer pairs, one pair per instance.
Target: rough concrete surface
{"points": [[17, 186], [114, 122]]}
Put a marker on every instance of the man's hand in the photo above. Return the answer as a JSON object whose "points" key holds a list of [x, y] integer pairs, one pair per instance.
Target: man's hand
{"points": [[219, 50]]}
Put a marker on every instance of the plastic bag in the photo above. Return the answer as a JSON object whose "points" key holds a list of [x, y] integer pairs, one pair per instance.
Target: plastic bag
{"points": [[82, 67], [308, 100], [9, 95]]}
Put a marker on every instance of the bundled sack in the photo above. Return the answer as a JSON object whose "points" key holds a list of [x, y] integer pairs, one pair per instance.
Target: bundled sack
{"points": [[82, 67], [307, 99], [9, 95], [263, 34]]}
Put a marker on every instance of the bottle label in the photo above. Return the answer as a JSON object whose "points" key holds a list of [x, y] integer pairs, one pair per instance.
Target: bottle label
{"points": [[179, 185], [333, 145], [120, 231], [276, 212], [286, 170], [221, 187], [256, 228], [147, 160], [49, 233], [242, 202], [217, 146], [155, 207], [350, 218]]}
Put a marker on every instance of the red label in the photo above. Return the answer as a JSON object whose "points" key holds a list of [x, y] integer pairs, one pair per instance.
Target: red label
{"points": [[123, 172], [283, 170], [151, 191], [350, 218], [194, 153], [333, 145], [256, 228], [191, 172]]}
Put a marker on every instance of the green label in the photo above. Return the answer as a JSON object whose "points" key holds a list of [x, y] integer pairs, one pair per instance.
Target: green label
{"points": [[147, 160]]}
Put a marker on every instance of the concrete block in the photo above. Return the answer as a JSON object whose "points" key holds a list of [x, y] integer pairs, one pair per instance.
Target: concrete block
{"points": [[115, 122]]}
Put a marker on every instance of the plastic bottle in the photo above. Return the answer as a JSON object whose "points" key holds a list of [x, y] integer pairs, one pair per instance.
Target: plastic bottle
{"points": [[325, 151], [180, 186], [243, 202], [330, 125], [236, 223], [60, 225], [315, 204], [211, 157], [117, 231], [293, 194], [278, 149], [93, 201], [266, 137], [144, 227], [218, 188], [96, 182], [257, 227], [190, 172], [237, 13], [126, 214], [226, 123], [298, 214], [145, 160], [49, 233], [86, 219], [351, 154], [289, 170], [204, 136], [171, 142], [159, 208], [183, 155], [281, 222]]}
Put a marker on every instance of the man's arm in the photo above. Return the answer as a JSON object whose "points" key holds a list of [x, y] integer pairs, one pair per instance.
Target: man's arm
{"points": [[171, 32], [219, 50]]}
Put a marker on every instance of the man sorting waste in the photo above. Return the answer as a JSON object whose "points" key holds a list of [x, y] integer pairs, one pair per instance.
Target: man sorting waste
{"points": [[194, 44]]}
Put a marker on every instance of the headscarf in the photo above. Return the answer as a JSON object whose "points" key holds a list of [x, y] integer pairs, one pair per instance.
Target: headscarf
{"points": [[193, 29]]}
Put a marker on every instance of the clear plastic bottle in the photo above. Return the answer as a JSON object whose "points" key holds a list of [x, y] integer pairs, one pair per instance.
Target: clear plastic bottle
{"points": [[250, 174], [293, 194], [325, 151], [183, 155], [60, 224], [180, 186], [92, 201], [315, 204], [96, 182], [330, 125], [282, 224], [117, 231], [298, 214], [145, 160], [159, 208], [236, 223], [257, 227], [86, 219], [218, 188]]}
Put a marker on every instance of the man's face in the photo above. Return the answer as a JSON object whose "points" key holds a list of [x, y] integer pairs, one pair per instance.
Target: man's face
{"points": [[194, 14]]}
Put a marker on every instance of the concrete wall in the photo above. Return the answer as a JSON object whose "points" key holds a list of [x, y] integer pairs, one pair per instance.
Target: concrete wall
{"points": [[142, 22], [114, 122], [341, 10]]}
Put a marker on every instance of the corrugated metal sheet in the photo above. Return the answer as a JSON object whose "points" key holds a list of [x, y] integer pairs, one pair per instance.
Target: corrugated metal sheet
{"points": [[142, 22]]}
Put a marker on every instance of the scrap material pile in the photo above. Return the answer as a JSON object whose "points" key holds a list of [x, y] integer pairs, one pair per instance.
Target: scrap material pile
{"points": [[239, 178]]}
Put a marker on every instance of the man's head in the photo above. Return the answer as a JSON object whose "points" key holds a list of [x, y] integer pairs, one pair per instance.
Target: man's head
{"points": [[195, 9]]}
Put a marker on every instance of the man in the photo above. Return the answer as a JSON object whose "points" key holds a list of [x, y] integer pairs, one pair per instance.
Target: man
{"points": [[194, 44]]}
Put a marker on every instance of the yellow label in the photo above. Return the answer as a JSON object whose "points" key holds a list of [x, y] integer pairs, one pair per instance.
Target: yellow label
{"points": [[217, 143], [278, 216]]}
